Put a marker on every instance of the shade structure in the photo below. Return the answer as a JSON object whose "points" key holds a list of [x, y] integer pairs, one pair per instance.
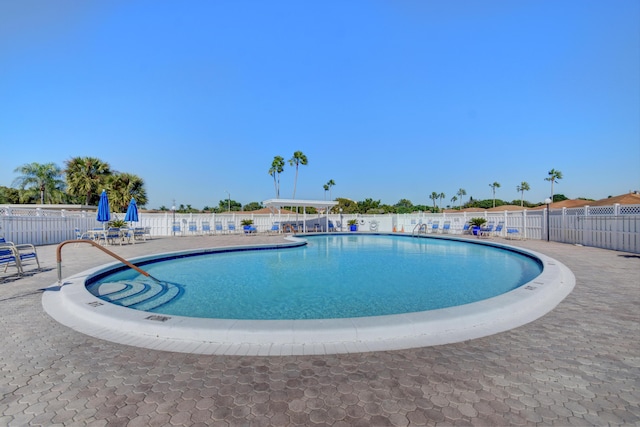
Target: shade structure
{"points": [[103, 208], [132, 211]]}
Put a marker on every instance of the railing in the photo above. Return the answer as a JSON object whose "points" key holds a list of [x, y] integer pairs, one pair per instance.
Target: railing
{"points": [[614, 227]]}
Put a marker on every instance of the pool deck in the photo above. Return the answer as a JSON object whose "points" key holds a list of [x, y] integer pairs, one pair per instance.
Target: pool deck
{"points": [[577, 365]]}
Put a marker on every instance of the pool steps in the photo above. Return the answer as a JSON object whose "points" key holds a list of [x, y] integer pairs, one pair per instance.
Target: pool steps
{"points": [[144, 295]]}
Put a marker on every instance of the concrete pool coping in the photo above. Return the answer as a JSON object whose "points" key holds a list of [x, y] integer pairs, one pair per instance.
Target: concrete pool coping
{"points": [[74, 306]]}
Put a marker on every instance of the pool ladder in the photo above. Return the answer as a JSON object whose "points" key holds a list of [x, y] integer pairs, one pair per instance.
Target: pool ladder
{"points": [[419, 229]]}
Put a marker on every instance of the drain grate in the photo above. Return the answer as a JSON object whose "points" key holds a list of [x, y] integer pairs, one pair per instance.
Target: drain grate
{"points": [[157, 318], [95, 303]]}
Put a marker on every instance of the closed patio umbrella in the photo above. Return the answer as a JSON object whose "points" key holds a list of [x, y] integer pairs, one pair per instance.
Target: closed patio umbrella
{"points": [[103, 209], [132, 211]]}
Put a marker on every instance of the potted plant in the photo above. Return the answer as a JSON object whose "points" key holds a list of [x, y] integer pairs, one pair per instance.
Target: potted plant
{"points": [[476, 224], [353, 224]]}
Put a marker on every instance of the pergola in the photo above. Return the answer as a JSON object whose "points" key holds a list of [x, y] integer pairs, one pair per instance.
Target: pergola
{"points": [[277, 204]]}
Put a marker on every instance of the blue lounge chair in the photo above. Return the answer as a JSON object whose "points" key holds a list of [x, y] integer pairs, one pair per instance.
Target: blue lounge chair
{"points": [[486, 231], [446, 227], [231, 227], [18, 253], [435, 226], [466, 228], [193, 228], [275, 228], [175, 229], [218, 227], [513, 233], [9, 256], [206, 228]]}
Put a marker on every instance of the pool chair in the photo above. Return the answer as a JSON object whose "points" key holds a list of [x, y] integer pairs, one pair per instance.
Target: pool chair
{"points": [[486, 231], [446, 227], [249, 230], [218, 227], [206, 228], [275, 228], [231, 227], [466, 228], [175, 229], [114, 235], [331, 226], [435, 226], [193, 228], [513, 233], [17, 254], [498, 230]]}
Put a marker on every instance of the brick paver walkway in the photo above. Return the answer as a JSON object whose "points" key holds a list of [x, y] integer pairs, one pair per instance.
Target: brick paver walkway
{"points": [[578, 365]]}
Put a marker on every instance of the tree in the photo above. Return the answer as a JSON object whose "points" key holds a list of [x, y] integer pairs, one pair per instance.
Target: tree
{"points": [[330, 184], [298, 159], [45, 178], [86, 176], [277, 166], [441, 196], [493, 187], [253, 206], [227, 204], [122, 187], [554, 176], [453, 200], [326, 188], [524, 186], [461, 192], [434, 196]]}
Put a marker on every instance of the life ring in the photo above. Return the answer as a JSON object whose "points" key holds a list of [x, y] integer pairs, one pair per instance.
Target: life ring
{"points": [[373, 226]]}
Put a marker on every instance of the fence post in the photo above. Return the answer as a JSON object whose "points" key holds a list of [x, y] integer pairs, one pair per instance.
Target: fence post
{"points": [[586, 229]]}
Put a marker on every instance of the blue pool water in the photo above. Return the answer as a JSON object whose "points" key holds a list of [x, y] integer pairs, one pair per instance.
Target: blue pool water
{"points": [[334, 276]]}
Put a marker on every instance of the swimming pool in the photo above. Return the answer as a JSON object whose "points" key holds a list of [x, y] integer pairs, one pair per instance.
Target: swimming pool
{"points": [[333, 276], [74, 306]]}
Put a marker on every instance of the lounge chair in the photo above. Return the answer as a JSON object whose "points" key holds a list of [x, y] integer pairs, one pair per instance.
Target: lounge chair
{"points": [[9, 256], [446, 227], [231, 227], [218, 227], [275, 228], [206, 228], [435, 226], [486, 231], [466, 228], [113, 235], [513, 233], [193, 227], [20, 253], [332, 227], [175, 229], [498, 229]]}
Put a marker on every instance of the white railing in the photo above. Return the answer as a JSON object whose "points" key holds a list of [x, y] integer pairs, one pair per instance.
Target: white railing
{"points": [[614, 227]]}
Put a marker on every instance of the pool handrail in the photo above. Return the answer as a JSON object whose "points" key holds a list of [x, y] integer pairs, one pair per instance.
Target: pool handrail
{"points": [[103, 249]]}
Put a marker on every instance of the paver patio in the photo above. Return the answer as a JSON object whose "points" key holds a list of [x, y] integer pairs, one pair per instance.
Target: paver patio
{"points": [[578, 365]]}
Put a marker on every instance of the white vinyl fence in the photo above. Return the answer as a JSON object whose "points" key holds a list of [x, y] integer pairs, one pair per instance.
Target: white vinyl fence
{"points": [[614, 227]]}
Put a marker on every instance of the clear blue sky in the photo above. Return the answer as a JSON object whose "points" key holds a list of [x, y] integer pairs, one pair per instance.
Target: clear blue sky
{"points": [[390, 99]]}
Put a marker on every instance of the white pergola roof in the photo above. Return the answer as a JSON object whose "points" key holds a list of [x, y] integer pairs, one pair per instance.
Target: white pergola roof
{"points": [[281, 203]]}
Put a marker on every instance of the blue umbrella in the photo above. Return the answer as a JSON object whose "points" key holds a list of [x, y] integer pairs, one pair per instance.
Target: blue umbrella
{"points": [[132, 211], [103, 208]]}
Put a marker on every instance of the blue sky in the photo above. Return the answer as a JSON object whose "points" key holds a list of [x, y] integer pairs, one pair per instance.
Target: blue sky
{"points": [[390, 99]]}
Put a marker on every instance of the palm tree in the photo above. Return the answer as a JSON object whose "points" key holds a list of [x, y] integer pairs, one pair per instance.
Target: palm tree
{"points": [[122, 187], [85, 177], [554, 176], [277, 166], [524, 186], [326, 188], [45, 178], [434, 196], [298, 159], [461, 192], [453, 200], [330, 184], [441, 196], [493, 187]]}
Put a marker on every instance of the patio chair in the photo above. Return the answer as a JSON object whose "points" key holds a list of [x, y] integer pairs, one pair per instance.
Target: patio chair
{"points": [[193, 227], [231, 227], [332, 227], [486, 231], [275, 228], [513, 233], [9, 256], [466, 228], [446, 227], [218, 227], [175, 229], [206, 228], [21, 253], [113, 235], [435, 226], [498, 229]]}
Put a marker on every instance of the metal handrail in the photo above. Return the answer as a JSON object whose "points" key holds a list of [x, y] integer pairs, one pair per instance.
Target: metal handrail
{"points": [[105, 250], [421, 228]]}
